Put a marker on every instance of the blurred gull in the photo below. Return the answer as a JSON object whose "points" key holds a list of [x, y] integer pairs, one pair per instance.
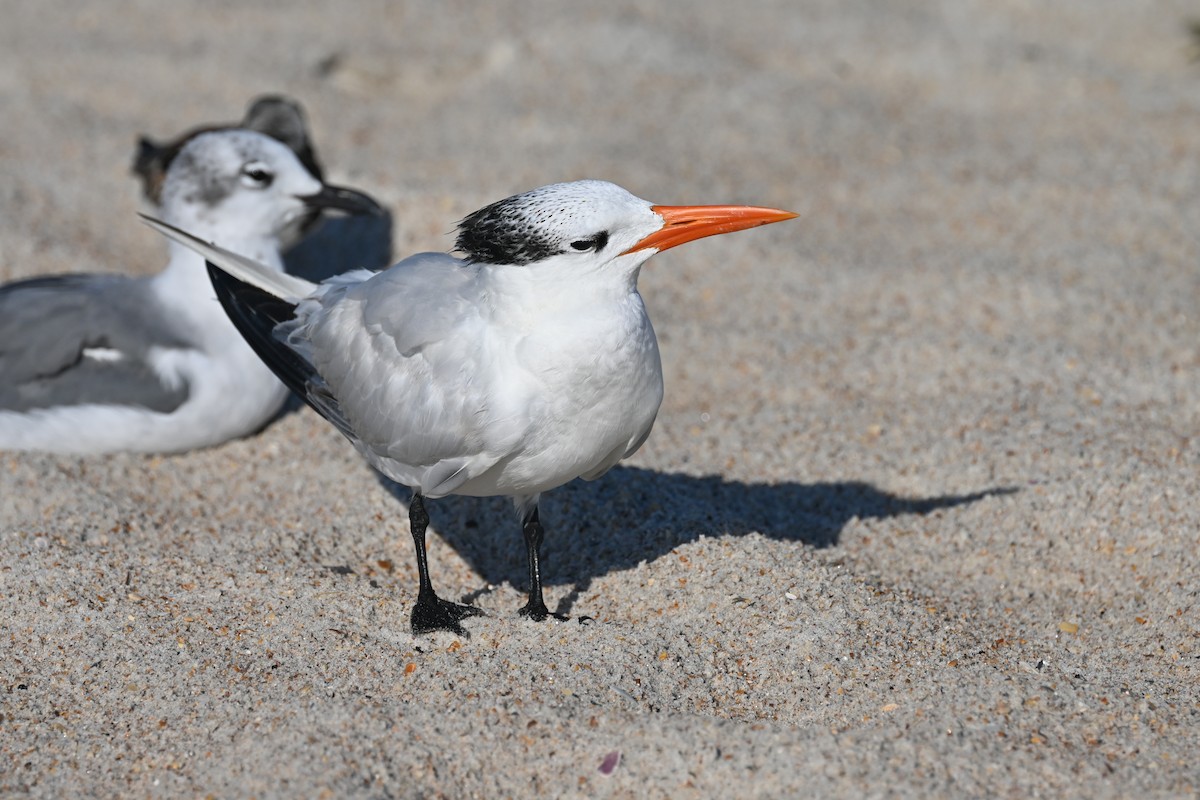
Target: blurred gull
{"points": [[95, 363]]}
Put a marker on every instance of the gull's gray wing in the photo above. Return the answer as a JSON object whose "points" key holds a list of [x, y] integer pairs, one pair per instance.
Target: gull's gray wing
{"points": [[74, 339]]}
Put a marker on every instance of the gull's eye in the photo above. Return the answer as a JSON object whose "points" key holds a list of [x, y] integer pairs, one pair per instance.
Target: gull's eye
{"points": [[256, 175], [596, 243]]}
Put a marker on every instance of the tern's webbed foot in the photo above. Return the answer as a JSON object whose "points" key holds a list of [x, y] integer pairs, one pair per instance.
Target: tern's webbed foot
{"points": [[537, 611], [436, 614]]}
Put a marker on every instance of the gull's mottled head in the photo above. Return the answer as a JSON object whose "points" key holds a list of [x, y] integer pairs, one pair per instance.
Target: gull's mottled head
{"points": [[237, 179], [277, 116], [238, 183]]}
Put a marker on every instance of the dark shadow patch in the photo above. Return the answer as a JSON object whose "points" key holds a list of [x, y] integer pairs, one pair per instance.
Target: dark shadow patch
{"points": [[339, 244], [633, 515]]}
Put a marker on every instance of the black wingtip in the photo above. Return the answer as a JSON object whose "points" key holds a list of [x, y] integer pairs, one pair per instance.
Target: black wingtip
{"points": [[256, 314]]}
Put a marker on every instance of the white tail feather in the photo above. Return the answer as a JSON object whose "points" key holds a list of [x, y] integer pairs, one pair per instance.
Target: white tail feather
{"points": [[284, 286]]}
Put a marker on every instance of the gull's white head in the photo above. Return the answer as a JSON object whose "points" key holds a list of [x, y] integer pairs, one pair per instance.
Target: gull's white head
{"points": [[238, 184], [593, 223]]}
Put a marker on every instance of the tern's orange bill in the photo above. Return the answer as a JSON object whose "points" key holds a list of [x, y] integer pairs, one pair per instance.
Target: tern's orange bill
{"points": [[685, 223]]}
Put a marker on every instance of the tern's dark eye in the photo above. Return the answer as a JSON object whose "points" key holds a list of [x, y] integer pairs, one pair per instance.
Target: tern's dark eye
{"points": [[256, 175], [596, 243]]}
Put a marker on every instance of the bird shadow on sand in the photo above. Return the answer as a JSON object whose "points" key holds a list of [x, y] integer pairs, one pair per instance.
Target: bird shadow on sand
{"points": [[633, 515]]}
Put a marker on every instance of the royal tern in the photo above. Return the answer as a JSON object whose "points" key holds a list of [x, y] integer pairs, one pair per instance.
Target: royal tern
{"points": [[99, 363], [525, 364]]}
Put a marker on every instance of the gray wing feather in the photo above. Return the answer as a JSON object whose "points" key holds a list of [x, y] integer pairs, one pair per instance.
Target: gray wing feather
{"points": [[402, 382], [47, 324]]}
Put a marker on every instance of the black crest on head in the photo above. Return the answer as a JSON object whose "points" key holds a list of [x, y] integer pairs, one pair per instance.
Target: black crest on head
{"points": [[515, 230]]}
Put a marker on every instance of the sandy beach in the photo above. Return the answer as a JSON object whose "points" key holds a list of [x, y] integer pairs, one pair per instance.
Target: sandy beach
{"points": [[920, 516]]}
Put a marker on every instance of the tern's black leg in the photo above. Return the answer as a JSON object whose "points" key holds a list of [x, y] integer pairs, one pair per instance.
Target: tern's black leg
{"points": [[431, 613], [535, 609]]}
